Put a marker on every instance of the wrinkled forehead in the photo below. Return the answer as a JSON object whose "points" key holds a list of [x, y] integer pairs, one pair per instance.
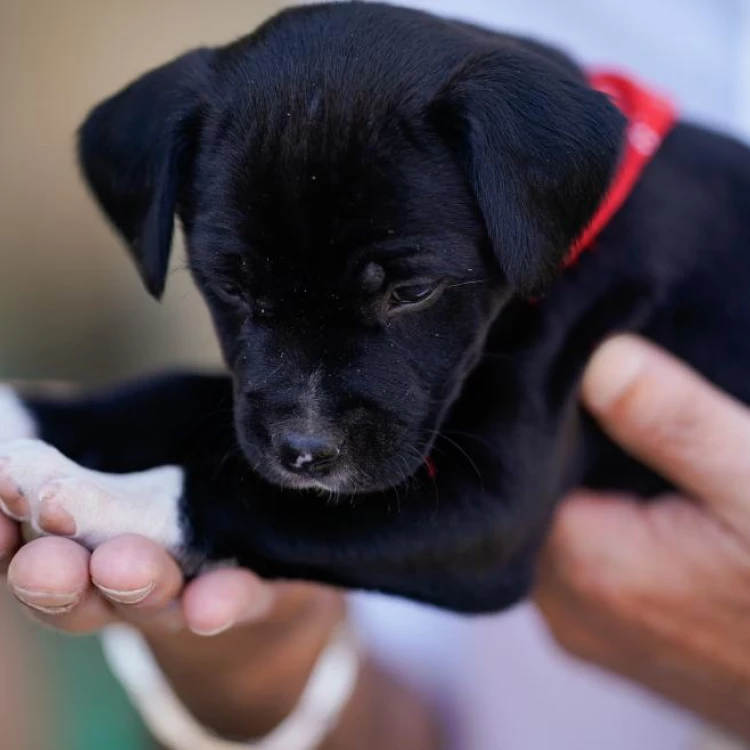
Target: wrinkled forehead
{"points": [[336, 176]]}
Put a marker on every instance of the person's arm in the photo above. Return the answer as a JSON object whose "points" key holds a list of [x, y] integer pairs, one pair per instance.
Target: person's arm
{"points": [[660, 592]]}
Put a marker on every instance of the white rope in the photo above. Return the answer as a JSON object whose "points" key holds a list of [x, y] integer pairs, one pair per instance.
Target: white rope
{"points": [[327, 692]]}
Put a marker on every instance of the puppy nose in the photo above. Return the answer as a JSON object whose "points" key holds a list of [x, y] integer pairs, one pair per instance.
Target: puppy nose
{"points": [[307, 454]]}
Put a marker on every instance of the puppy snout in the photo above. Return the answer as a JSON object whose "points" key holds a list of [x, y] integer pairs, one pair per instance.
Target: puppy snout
{"points": [[312, 455]]}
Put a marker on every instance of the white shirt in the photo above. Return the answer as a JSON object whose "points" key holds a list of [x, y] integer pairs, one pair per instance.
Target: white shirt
{"points": [[501, 679]]}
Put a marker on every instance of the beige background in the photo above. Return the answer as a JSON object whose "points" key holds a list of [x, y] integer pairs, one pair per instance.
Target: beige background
{"points": [[71, 305]]}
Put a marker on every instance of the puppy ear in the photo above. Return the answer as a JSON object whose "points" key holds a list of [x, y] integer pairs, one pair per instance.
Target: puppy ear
{"points": [[539, 148], [135, 150]]}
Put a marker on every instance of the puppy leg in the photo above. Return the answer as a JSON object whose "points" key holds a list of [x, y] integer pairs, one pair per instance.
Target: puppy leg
{"points": [[132, 427], [101, 464], [54, 495]]}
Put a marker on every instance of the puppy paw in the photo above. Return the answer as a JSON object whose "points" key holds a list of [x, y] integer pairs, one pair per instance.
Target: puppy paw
{"points": [[55, 496], [15, 420]]}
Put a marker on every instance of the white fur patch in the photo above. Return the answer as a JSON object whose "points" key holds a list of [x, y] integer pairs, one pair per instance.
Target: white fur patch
{"points": [[15, 420], [58, 497]]}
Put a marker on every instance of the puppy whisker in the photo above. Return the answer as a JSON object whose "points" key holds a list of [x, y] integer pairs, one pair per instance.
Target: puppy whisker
{"points": [[466, 283], [477, 438], [463, 452]]}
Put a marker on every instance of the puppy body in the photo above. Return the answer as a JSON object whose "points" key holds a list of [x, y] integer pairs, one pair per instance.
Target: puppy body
{"points": [[370, 196]]}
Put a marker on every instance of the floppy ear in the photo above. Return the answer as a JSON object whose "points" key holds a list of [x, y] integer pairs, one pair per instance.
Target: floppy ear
{"points": [[539, 148], [135, 149]]}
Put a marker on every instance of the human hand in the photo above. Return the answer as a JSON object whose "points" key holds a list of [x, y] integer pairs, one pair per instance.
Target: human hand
{"points": [[279, 630], [265, 639], [660, 592], [240, 682]]}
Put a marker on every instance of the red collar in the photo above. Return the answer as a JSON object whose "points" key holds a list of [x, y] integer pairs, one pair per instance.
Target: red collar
{"points": [[650, 118]]}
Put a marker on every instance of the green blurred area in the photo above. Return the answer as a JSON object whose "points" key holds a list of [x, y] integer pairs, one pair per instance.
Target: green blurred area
{"points": [[94, 712]]}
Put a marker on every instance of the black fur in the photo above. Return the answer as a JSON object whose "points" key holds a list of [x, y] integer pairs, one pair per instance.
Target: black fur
{"points": [[343, 150]]}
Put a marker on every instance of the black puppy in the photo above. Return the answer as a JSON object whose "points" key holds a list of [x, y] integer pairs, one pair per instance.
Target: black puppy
{"points": [[370, 198]]}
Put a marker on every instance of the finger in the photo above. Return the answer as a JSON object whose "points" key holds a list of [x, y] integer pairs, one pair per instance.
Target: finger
{"points": [[597, 543], [10, 539], [50, 576], [141, 580], [668, 416], [219, 600]]}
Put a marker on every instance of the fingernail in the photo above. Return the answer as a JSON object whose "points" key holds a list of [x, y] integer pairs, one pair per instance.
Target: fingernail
{"points": [[612, 370], [134, 596], [258, 608], [214, 631], [11, 514], [63, 609], [47, 602]]}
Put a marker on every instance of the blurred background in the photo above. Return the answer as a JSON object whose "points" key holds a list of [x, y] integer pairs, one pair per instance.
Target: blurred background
{"points": [[71, 306]]}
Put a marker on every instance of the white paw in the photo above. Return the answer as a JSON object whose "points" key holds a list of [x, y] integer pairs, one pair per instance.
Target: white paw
{"points": [[15, 420], [55, 496]]}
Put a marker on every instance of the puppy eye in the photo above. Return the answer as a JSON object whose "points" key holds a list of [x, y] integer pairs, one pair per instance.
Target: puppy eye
{"points": [[414, 296], [231, 291]]}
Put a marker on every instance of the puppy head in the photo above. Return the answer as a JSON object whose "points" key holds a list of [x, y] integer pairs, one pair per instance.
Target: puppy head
{"points": [[361, 188]]}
